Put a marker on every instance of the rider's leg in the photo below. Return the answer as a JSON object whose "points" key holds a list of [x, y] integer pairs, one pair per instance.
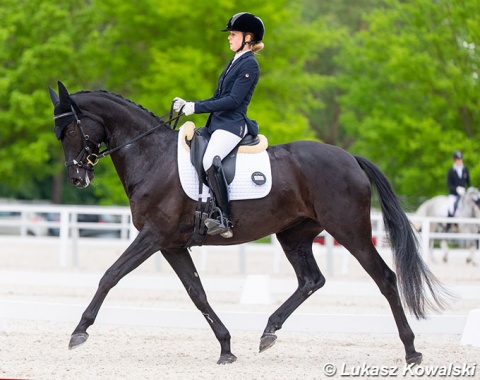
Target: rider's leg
{"points": [[452, 200], [219, 220], [220, 145]]}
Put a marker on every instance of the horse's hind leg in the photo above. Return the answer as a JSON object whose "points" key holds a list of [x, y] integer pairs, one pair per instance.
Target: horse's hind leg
{"points": [[182, 264], [386, 280], [471, 254], [297, 245]]}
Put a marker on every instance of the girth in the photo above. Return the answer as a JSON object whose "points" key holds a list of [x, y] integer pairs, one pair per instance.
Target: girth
{"points": [[198, 145]]}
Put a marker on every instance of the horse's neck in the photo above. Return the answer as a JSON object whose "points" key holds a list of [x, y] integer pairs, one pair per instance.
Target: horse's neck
{"points": [[142, 158], [123, 119], [465, 209], [145, 151]]}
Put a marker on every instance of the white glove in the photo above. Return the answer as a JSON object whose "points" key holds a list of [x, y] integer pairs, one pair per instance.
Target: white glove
{"points": [[460, 190], [189, 108], [178, 103]]}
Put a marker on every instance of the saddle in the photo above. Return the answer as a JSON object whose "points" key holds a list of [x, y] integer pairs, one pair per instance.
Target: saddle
{"points": [[197, 141]]}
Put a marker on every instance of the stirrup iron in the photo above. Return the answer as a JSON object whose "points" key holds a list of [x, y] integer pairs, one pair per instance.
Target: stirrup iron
{"points": [[219, 225]]}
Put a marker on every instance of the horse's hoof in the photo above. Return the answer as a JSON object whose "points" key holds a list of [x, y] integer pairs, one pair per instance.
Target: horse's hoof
{"points": [[227, 359], [267, 341], [415, 359], [77, 340]]}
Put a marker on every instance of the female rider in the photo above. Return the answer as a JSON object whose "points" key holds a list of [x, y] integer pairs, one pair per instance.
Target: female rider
{"points": [[228, 122]]}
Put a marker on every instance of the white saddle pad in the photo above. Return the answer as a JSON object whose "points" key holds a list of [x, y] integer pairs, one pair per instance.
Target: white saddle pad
{"points": [[242, 186]]}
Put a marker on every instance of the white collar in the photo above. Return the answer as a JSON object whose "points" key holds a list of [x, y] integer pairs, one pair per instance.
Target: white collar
{"points": [[458, 169], [239, 54]]}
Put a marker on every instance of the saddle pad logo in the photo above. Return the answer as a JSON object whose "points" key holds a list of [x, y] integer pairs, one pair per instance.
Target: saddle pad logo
{"points": [[253, 175], [259, 178]]}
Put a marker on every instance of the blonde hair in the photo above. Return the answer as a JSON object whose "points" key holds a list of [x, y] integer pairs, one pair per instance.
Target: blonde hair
{"points": [[256, 47]]}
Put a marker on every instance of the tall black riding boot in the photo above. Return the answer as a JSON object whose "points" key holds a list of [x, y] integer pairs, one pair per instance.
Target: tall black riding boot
{"points": [[449, 225], [218, 221]]}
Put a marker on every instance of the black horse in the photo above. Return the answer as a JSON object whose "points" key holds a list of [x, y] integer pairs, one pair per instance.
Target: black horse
{"points": [[315, 187]]}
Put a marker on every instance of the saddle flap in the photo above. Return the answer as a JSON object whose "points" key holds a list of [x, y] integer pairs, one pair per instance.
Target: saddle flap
{"points": [[198, 145]]}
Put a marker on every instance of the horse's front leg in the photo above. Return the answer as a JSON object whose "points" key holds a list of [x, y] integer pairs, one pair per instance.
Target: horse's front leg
{"points": [[140, 250], [471, 255], [444, 247], [181, 262]]}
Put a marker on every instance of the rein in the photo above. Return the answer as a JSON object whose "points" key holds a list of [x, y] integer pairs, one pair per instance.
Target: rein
{"points": [[93, 158]]}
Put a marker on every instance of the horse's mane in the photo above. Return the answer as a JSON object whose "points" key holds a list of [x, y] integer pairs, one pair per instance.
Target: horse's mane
{"points": [[121, 98]]}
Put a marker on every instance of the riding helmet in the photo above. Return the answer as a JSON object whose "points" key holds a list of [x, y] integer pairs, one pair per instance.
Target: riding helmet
{"points": [[247, 23], [457, 155]]}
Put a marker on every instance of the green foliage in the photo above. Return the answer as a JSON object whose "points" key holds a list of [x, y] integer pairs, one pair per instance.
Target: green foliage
{"points": [[338, 20], [395, 81], [409, 87], [189, 66], [36, 50], [148, 51]]}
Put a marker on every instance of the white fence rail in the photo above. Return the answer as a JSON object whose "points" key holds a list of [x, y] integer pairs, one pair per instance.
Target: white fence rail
{"points": [[68, 224], [65, 224]]}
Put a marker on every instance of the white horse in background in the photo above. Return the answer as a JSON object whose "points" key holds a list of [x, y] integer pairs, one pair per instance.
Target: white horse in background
{"points": [[468, 207]]}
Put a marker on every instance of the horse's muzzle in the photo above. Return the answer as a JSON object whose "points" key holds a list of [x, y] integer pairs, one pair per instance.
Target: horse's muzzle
{"points": [[80, 177]]}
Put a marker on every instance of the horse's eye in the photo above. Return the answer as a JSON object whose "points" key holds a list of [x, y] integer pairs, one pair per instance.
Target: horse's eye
{"points": [[70, 132]]}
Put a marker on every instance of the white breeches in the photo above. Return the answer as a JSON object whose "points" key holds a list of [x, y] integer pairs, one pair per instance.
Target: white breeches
{"points": [[451, 203], [221, 144]]}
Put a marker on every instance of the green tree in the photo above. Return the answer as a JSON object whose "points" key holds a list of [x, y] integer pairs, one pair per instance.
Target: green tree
{"points": [[148, 51], [41, 41], [340, 20], [410, 84]]}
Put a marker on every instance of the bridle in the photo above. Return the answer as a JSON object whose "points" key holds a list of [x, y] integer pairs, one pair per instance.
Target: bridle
{"points": [[93, 158]]}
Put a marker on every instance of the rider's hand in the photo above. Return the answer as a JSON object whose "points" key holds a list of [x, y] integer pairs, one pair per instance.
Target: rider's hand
{"points": [[178, 103], [189, 108], [460, 190]]}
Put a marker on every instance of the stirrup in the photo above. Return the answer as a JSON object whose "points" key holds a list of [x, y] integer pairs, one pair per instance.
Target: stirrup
{"points": [[227, 234], [218, 226]]}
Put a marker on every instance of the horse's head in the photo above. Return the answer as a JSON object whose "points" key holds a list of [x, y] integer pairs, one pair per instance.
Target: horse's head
{"points": [[474, 193], [472, 201], [81, 134]]}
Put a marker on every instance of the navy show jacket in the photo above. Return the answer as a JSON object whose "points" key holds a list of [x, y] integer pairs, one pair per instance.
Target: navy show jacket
{"points": [[453, 180], [228, 106]]}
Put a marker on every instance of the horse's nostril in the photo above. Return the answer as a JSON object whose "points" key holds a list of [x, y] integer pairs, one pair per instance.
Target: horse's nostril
{"points": [[75, 181]]}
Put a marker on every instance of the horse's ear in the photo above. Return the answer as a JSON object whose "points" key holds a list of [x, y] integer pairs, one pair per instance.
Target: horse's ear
{"points": [[65, 100], [53, 96], [64, 95]]}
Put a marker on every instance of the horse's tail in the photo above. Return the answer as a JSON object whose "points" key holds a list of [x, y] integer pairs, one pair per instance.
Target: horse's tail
{"points": [[414, 277]]}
